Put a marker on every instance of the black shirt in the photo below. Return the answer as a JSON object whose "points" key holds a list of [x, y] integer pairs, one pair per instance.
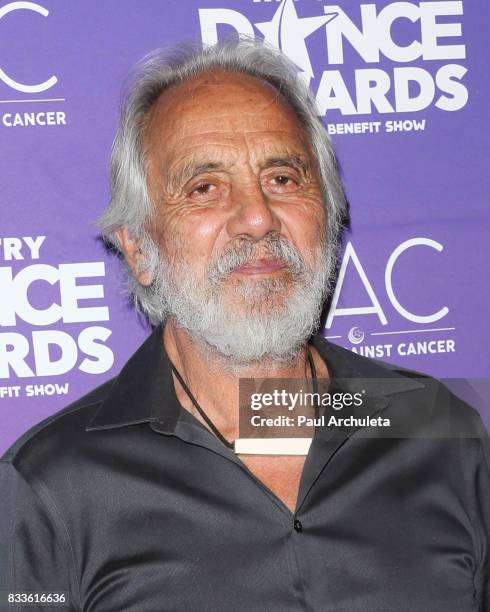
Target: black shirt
{"points": [[126, 502]]}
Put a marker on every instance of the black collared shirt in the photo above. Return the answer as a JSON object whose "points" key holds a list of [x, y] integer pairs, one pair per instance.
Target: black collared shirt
{"points": [[127, 503]]}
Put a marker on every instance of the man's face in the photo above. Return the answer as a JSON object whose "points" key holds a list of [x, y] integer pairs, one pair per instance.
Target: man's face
{"points": [[238, 204]]}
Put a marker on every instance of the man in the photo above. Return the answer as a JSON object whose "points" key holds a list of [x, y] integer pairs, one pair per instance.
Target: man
{"points": [[227, 206]]}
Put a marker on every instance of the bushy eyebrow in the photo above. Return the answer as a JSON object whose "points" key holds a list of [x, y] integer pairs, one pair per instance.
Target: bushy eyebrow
{"points": [[193, 168], [189, 170], [291, 161]]}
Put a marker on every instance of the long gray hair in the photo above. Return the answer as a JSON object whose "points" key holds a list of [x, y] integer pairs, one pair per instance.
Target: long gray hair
{"points": [[130, 203]]}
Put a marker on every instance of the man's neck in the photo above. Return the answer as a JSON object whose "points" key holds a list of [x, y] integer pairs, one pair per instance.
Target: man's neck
{"points": [[216, 387]]}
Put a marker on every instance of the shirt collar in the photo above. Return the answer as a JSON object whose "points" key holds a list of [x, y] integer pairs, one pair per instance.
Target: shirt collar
{"points": [[143, 392]]}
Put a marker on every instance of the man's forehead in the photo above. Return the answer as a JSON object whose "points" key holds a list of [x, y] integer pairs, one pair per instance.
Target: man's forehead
{"points": [[221, 120], [221, 83], [202, 103]]}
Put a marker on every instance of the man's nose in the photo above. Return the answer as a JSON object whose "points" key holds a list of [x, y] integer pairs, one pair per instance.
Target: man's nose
{"points": [[253, 214]]}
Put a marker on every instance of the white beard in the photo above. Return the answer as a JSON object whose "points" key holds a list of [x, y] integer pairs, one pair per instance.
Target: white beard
{"points": [[271, 318]]}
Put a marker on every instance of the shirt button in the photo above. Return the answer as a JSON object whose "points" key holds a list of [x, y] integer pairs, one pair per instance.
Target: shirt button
{"points": [[297, 525]]}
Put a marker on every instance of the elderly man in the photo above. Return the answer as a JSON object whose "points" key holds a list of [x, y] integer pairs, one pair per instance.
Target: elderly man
{"points": [[227, 206]]}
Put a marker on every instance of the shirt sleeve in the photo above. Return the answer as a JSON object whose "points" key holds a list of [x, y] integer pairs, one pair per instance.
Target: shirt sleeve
{"points": [[35, 552]]}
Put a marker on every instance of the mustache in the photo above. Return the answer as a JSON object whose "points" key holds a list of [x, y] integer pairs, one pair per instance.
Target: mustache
{"points": [[247, 251]]}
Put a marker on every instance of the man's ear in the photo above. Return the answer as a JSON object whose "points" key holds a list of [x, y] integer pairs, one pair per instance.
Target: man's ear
{"points": [[133, 255]]}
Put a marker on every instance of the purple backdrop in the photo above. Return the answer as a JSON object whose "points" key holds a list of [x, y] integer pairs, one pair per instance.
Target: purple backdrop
{"points": [[404, 88]]}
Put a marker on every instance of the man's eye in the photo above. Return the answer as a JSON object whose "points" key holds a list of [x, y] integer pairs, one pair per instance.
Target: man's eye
{"points": [[283, 180], [203, 189], [283, 183]]}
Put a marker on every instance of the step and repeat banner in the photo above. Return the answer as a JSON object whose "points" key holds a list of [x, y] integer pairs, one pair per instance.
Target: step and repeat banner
{"points": [[404, 89]]}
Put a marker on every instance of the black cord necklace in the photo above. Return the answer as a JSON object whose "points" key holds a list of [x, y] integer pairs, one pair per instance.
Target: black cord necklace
{"points": [[208, 421]]}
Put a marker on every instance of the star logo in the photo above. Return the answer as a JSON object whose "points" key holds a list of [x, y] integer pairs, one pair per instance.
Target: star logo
{"points": [[287, 32]]}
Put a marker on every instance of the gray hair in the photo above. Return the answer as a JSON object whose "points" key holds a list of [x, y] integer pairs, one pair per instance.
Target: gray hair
{"points": [[130, 205]]}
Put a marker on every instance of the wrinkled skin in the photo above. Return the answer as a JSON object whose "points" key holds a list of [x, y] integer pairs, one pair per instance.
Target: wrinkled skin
{"points": [[227, 160]]}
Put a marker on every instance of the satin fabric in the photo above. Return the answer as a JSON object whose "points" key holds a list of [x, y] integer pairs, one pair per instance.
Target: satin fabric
{"points": [[127, 503]]}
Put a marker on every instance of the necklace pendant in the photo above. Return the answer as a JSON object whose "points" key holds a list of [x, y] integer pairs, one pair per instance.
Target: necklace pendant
{"points": [[272, 446]]}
